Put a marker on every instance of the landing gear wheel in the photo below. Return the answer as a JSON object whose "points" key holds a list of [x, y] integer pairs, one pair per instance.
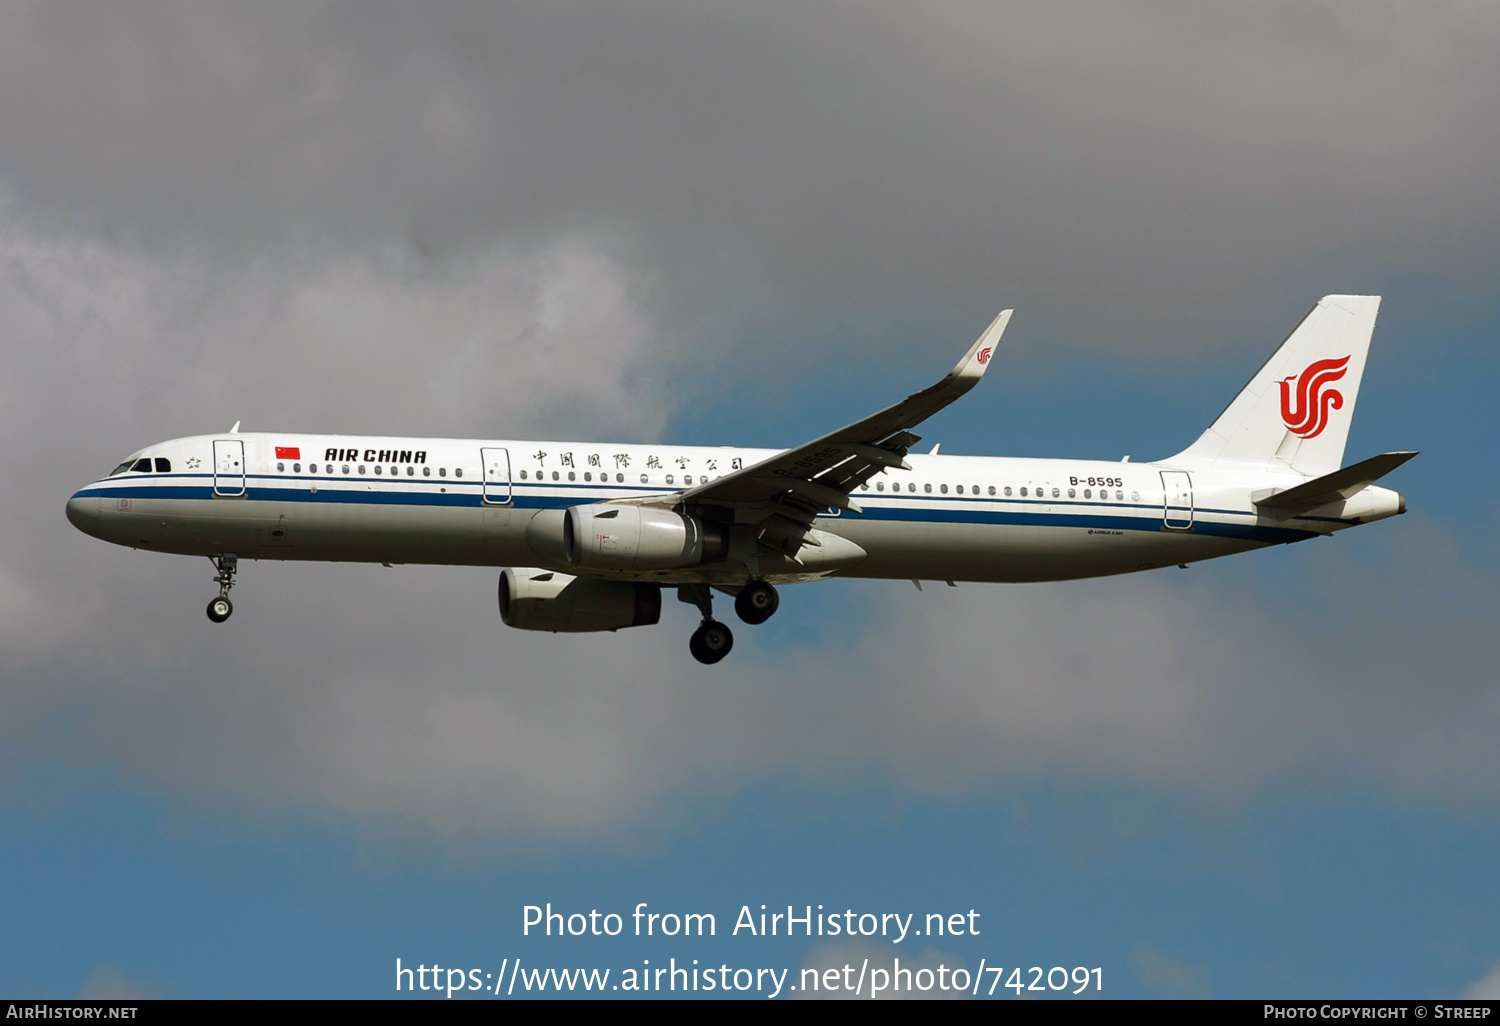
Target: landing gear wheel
{"points": [[757, 602], [226, 564], [710, 642]]}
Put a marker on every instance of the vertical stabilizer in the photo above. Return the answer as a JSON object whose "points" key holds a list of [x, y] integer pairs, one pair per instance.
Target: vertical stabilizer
{"points": [[1297, 409]]}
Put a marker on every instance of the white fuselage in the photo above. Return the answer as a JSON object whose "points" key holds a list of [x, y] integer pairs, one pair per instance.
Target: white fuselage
{"points": [[499, 503]]}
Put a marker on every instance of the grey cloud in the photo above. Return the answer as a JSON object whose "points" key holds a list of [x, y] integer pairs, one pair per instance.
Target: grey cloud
{"points": [[843, 156], [395, 699], [362, 218]]}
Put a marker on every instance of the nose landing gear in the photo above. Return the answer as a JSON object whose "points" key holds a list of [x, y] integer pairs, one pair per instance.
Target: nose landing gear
{"points": [[220, 608]]}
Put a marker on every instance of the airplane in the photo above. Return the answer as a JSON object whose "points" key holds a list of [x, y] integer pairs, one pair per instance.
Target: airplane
{"points": [[589, 534]]}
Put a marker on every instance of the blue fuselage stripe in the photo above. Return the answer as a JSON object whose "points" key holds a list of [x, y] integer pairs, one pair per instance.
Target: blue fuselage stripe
{"points": [[914, 508]]}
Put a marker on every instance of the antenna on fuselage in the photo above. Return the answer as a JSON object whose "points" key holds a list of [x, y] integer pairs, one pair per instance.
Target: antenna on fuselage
{"points": [[236, 429]]}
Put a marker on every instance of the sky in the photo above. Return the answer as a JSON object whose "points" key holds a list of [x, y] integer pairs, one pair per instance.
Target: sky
{"points": [[709, 223]]}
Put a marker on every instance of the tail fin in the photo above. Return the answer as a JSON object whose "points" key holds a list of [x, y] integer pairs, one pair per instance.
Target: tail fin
{"points": [[1297, 409]]}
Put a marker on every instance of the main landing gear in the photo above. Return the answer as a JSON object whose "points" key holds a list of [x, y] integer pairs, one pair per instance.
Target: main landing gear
{"points": [[756, 602], [712, 641], [220, 608]]}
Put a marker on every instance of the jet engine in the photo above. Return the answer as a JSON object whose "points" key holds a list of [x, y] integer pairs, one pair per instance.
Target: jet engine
{"points": [[544, 600], [605, 536]]}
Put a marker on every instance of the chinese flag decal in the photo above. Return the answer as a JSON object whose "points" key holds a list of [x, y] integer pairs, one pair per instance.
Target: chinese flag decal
{"points": [[288, 452]]}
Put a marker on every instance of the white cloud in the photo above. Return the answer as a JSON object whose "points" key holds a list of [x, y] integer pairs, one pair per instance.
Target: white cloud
{"points": [[1166, 975], [1486, 989], [106, 983]]}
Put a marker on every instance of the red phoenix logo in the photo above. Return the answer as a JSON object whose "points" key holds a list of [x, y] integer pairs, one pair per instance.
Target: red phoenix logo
{"points": [[1306, 413], [984, 355]]}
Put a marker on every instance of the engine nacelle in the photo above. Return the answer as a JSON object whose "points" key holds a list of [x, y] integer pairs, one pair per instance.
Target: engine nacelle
{"points": [[605, 536], [544, 600]]}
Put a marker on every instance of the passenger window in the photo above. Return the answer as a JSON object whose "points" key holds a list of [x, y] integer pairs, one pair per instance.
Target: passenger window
{"points": [[927, 488], [523, 475], [941, 488], [669, 479], [142, 466], [572, 476], [1135, 496], [280, 467], [1071, 493], [619, 479], [346, 468], [1119, 496], [880, 486], [960, 489], [992, 489], [377, 468], [443, 472], [912, 486], [426, 471], [1023, 491], [588, 475], [458, 471], [163, 466], [361, 468], [330, 468], [296, 468], [1054, 493], [411, 471], [1087, 494], [554, 475], [643, 479]]}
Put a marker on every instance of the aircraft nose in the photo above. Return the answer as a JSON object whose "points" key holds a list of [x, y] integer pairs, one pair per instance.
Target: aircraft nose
{"points": [[83, 512]]}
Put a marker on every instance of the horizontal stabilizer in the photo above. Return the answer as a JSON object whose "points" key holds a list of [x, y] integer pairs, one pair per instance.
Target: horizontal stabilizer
{"points": [[1341, 484]]}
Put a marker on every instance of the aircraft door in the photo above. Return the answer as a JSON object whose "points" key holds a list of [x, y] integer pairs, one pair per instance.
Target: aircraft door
{"points": [[229, 466], [1177, 500], [496, 464]]}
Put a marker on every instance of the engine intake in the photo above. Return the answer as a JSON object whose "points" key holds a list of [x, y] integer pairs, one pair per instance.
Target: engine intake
{"points": [[605, 536], [532, 599]]}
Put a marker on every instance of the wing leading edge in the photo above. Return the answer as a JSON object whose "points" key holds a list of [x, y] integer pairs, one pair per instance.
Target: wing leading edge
{"points": [[785, 492]]}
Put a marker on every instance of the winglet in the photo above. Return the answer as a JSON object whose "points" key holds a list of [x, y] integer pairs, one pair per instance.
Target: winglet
{"points": [[977, 359]]}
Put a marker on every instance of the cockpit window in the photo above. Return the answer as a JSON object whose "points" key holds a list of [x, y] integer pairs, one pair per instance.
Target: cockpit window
{"points": [[121, 468], [163, 465], [142, 466]]}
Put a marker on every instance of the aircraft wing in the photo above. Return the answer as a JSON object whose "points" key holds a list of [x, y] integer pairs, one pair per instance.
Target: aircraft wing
{"points": [[785, 492]]}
